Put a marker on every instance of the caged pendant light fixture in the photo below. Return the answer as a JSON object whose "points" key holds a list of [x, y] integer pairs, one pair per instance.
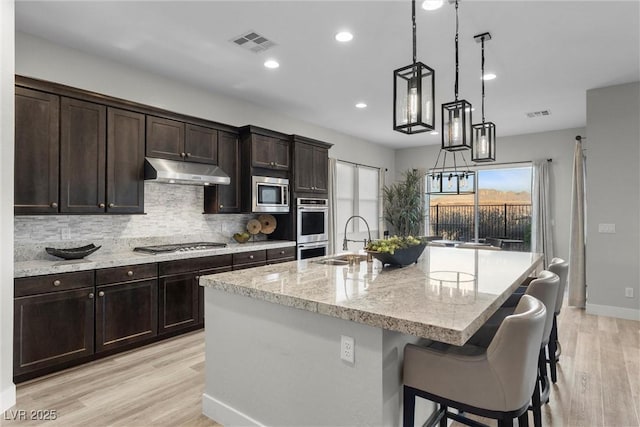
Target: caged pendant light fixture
{"points": [[456, 180], [484, 134], [413, 93], [456, 115]]}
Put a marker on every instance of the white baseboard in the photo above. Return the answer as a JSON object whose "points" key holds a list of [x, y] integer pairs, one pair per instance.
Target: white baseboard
{"points": [[8, 397], [611, 311], [224, 414]]}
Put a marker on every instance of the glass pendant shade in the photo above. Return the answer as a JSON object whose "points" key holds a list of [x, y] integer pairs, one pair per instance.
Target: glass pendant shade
{"points": [[484, 142], [456, 126], [451, 182], [413, 94]]}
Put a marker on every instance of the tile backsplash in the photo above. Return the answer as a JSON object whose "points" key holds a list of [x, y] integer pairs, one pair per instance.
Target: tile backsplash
{"points": [[173, 213]]}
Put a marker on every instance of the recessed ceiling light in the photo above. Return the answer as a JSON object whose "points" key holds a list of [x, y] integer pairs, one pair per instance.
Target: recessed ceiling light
{"points": [[271, 63], [434, 132], [488, 76], [344, 36], [361, 105], [432, 4]]}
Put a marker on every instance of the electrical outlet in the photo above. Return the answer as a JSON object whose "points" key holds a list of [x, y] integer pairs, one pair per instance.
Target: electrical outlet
{"points": [[65, 233], [607, 228], [347, 349], [628, 292]]}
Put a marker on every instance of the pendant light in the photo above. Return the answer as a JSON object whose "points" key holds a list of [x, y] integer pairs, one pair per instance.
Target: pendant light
{"points": [[484, 134], [443, 180], [413, 93], [456, 115]]}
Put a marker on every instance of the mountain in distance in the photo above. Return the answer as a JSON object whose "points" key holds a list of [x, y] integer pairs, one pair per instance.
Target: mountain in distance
{"points": [[486, 197]]}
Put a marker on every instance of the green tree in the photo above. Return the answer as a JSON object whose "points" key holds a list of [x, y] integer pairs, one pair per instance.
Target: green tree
{"points": [[403, 206]]}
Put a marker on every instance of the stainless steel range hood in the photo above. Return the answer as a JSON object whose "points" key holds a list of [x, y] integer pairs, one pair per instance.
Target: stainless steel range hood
{"points": [[177, 172]]}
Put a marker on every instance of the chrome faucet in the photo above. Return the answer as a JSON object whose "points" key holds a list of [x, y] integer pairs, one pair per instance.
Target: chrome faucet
{"points": [[344, 242]]}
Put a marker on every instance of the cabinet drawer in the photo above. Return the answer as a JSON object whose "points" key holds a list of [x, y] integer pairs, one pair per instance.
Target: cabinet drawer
{"points": [[194, 264], [274, 254], [249, 257], [126, 273], [249, 265], [52, 283]]}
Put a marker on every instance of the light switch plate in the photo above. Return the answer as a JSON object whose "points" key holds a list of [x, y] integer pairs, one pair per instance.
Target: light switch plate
{"points": [[607, 228]]}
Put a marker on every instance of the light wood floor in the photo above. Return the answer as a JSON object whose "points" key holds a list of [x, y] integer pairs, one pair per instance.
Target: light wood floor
{"points": [[162, 384]]}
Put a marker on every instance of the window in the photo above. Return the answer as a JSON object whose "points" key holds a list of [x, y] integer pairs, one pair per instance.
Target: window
{"points": [[501, 208], [357, 193]]}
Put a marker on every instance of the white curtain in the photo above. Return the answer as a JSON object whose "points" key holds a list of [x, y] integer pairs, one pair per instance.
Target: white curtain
{"points": [[541, 235], [333, 212], [381, 223], [577, 262]]}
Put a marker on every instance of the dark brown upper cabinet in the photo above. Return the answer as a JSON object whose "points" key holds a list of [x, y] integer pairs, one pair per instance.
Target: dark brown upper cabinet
{"points": [[269, 153], [225, 198], [37, 147], [125, 161], [176, 140], [310, 167], [82, 156]]}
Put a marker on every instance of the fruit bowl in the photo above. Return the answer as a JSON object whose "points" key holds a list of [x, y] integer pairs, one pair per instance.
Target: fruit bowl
{"points": [[398, 251], [73, 253], [241, 237]]}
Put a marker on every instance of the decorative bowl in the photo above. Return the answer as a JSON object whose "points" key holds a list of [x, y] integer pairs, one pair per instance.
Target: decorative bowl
{"points": [[401, 256], [73, 253], [241, 238]]}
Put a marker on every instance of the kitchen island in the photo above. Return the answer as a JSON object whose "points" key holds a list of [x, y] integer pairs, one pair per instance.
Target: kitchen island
{"points": [[273, 333]]}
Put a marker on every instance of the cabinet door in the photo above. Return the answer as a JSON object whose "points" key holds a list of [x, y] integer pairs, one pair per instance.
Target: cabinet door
{"points": [[82, 156], [201, 144], [125, 161], [178, 302], [125, 313], [281, 154], [320, 170], [262, 151], [37, 145], [50, 329], [165, 138], [225, 198], [304, 168]]}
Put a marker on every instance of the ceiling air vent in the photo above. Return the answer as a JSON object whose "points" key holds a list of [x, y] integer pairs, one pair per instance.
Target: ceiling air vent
{"points": [[541, 113], [253, 41]]}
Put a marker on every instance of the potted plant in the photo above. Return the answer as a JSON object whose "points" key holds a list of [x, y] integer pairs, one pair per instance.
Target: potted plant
{"points": [[404, 211]]}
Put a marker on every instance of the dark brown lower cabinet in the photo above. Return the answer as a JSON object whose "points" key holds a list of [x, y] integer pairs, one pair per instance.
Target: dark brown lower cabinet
{"points": [[177, 302], [52, 328], [126, 313]]}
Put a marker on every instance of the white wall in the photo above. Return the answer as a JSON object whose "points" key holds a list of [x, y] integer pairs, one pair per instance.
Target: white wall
{"points": [[38, 58], [7, 388], [613, 176], [556, 145]]}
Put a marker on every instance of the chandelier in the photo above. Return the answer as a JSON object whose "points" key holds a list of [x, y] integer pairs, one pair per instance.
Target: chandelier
{"points": [[456, 180], [413, 93]]}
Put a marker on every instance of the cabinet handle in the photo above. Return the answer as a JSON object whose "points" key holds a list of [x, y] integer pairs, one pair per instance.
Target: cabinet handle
{"points": [[91, 295], [101, 293], [112, 205], [197, 277], [250, 256], [182, 154], [57, 283], [101, 205], [129, 273], [188, 154], [221, 206], [281, 252], [54, 205]]}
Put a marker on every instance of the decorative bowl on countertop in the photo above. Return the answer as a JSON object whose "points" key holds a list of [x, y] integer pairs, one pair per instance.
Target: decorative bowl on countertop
{"points": [[73, 253], [401, 256], [241, 237]]}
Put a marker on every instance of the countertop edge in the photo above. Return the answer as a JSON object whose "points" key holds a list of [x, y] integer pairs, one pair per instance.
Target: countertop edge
{"points": [[96, 261]]}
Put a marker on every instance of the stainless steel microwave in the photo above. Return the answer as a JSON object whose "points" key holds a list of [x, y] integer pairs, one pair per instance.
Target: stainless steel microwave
{"points": [[269, 194]]}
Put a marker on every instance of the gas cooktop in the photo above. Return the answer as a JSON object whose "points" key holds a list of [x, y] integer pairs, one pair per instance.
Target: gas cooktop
{"points": [[179, 247]]}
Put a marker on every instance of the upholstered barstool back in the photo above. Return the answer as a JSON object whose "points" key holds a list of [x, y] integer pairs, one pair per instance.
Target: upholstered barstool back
{"points": [[545, 288], [561, 268], [495, 382]]}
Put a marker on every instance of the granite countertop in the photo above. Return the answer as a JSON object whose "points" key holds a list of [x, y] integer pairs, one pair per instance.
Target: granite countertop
{"points": [[116, 259], [446, 296]]}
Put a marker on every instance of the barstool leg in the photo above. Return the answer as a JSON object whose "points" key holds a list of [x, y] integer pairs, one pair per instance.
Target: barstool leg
{"points": [[443, 420], [409, 407], [508, 422], [523, 420], [553, 348], [535, 405]]}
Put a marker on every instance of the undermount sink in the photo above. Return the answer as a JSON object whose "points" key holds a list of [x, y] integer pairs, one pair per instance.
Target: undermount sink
{"points": [[343, 259]]}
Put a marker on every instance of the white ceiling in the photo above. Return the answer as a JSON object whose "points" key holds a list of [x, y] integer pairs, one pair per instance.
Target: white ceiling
{"points": [[546, 54]]}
